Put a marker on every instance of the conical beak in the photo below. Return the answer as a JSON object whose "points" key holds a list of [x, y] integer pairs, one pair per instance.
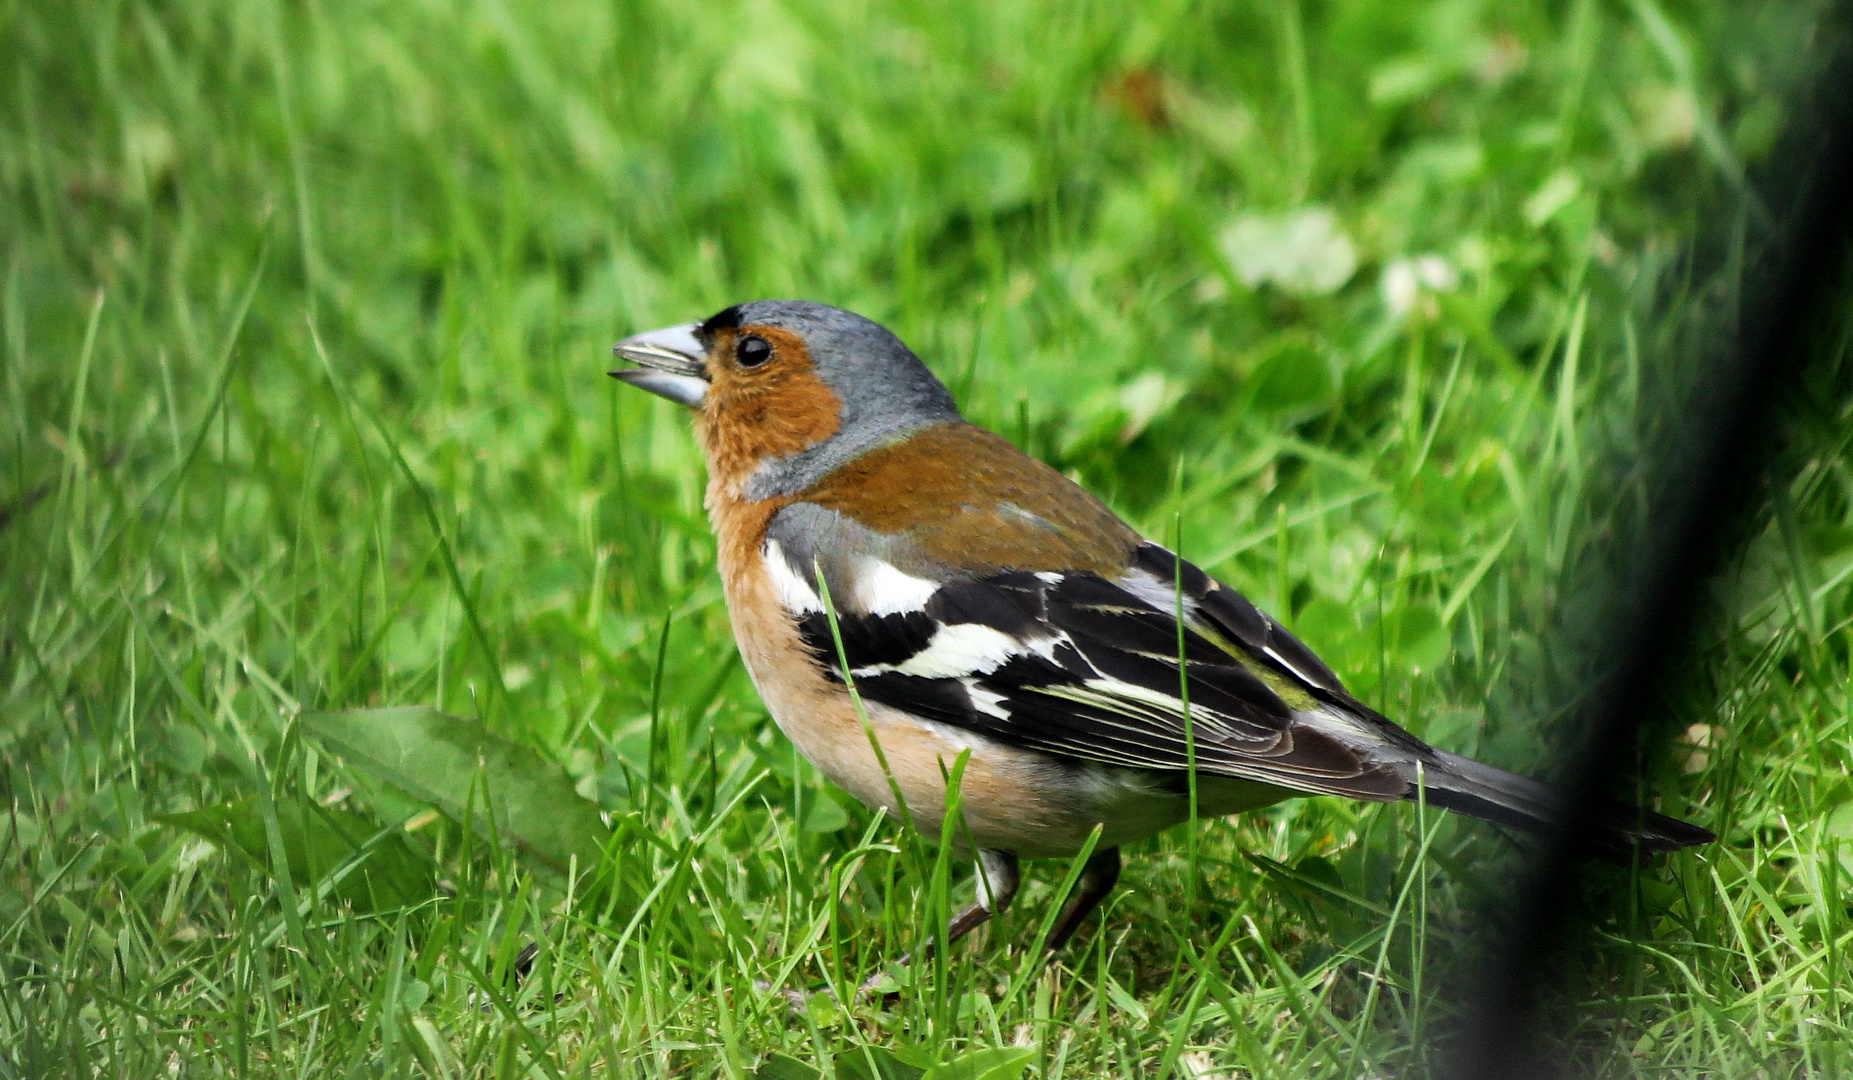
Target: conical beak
{"points": [[672, 364]]}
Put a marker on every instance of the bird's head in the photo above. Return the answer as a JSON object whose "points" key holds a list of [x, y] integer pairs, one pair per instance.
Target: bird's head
{"points": [[785, 391]]}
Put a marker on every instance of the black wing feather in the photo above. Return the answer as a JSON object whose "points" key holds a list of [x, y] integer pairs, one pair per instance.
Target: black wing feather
{"points": [[1096, 678], [869, 640]]}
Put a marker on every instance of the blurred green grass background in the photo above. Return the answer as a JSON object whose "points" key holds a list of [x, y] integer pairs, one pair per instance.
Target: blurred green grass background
{"points": [[304, 321]]}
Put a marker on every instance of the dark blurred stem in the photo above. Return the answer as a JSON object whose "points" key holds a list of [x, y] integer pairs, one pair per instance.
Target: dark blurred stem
{"points": [[1704, 486]]}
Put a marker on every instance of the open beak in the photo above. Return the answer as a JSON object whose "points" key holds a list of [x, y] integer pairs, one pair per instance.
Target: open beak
{"points": [[672, 364]]}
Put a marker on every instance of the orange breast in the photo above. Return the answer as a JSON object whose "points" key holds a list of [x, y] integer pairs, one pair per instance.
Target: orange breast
{"points": [[1014, 800]]}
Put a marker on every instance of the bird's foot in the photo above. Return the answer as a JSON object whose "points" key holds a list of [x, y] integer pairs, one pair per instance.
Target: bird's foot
{"points": [[797, 1001], [882, 988]]}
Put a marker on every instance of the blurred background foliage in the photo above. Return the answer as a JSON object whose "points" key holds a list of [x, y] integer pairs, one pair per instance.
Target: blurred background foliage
{"points": [[303, 322]]}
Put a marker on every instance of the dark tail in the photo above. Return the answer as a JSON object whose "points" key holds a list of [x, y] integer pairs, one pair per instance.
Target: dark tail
{"points": [[1480, 791]]}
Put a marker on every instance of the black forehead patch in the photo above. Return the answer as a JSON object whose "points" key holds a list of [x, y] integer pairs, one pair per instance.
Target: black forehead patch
{"points": [[725, 319]]}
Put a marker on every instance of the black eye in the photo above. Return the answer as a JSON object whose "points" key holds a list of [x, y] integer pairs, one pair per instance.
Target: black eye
{"points": [[752, 351]]}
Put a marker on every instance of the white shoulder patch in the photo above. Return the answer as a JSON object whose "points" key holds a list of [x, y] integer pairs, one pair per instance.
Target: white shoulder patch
{"points": [[963, 649], [795, 594], [882, 589]]}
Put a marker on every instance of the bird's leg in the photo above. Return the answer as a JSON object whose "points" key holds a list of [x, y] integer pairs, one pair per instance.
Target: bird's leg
{"points": [[1097, 879], [997, 886]]}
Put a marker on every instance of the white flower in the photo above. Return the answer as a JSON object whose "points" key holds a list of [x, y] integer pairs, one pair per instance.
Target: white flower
{"points": [[1405, 280], [1302, 251]]}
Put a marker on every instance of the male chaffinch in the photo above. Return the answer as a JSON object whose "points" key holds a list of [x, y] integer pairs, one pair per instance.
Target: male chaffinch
{"points": [[987, 604]]}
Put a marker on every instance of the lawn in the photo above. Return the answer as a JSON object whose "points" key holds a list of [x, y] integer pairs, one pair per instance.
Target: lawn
{"points": [[1367, 308]]}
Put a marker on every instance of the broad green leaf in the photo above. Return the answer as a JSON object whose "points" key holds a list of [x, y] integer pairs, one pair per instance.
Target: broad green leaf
{"points": [[464, 770], [1421, 637], [1290, 381], [18, 831], [874, 1063], [823, 814], [1330, 628], [414, 994], [317, 840], [996, 1063], [1838, 825], [184, 749], [1321, 871], [780, 1067]]}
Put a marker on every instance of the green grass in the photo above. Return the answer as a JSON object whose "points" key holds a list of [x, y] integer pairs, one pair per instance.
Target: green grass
{"points": [[304, 318]]}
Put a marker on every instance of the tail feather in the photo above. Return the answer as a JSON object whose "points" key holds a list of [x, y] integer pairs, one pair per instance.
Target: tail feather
{"points": [[1480, 791]]}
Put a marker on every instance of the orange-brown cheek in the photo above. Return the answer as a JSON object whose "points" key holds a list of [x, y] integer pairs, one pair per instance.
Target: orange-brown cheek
{"points": [[749, 417]]}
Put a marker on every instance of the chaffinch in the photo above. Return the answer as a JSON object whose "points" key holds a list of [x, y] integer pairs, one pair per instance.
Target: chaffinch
{"points": [[985, 603]]}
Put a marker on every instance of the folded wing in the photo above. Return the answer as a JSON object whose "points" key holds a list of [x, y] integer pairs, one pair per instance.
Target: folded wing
{"points": [[1089, 668]]}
